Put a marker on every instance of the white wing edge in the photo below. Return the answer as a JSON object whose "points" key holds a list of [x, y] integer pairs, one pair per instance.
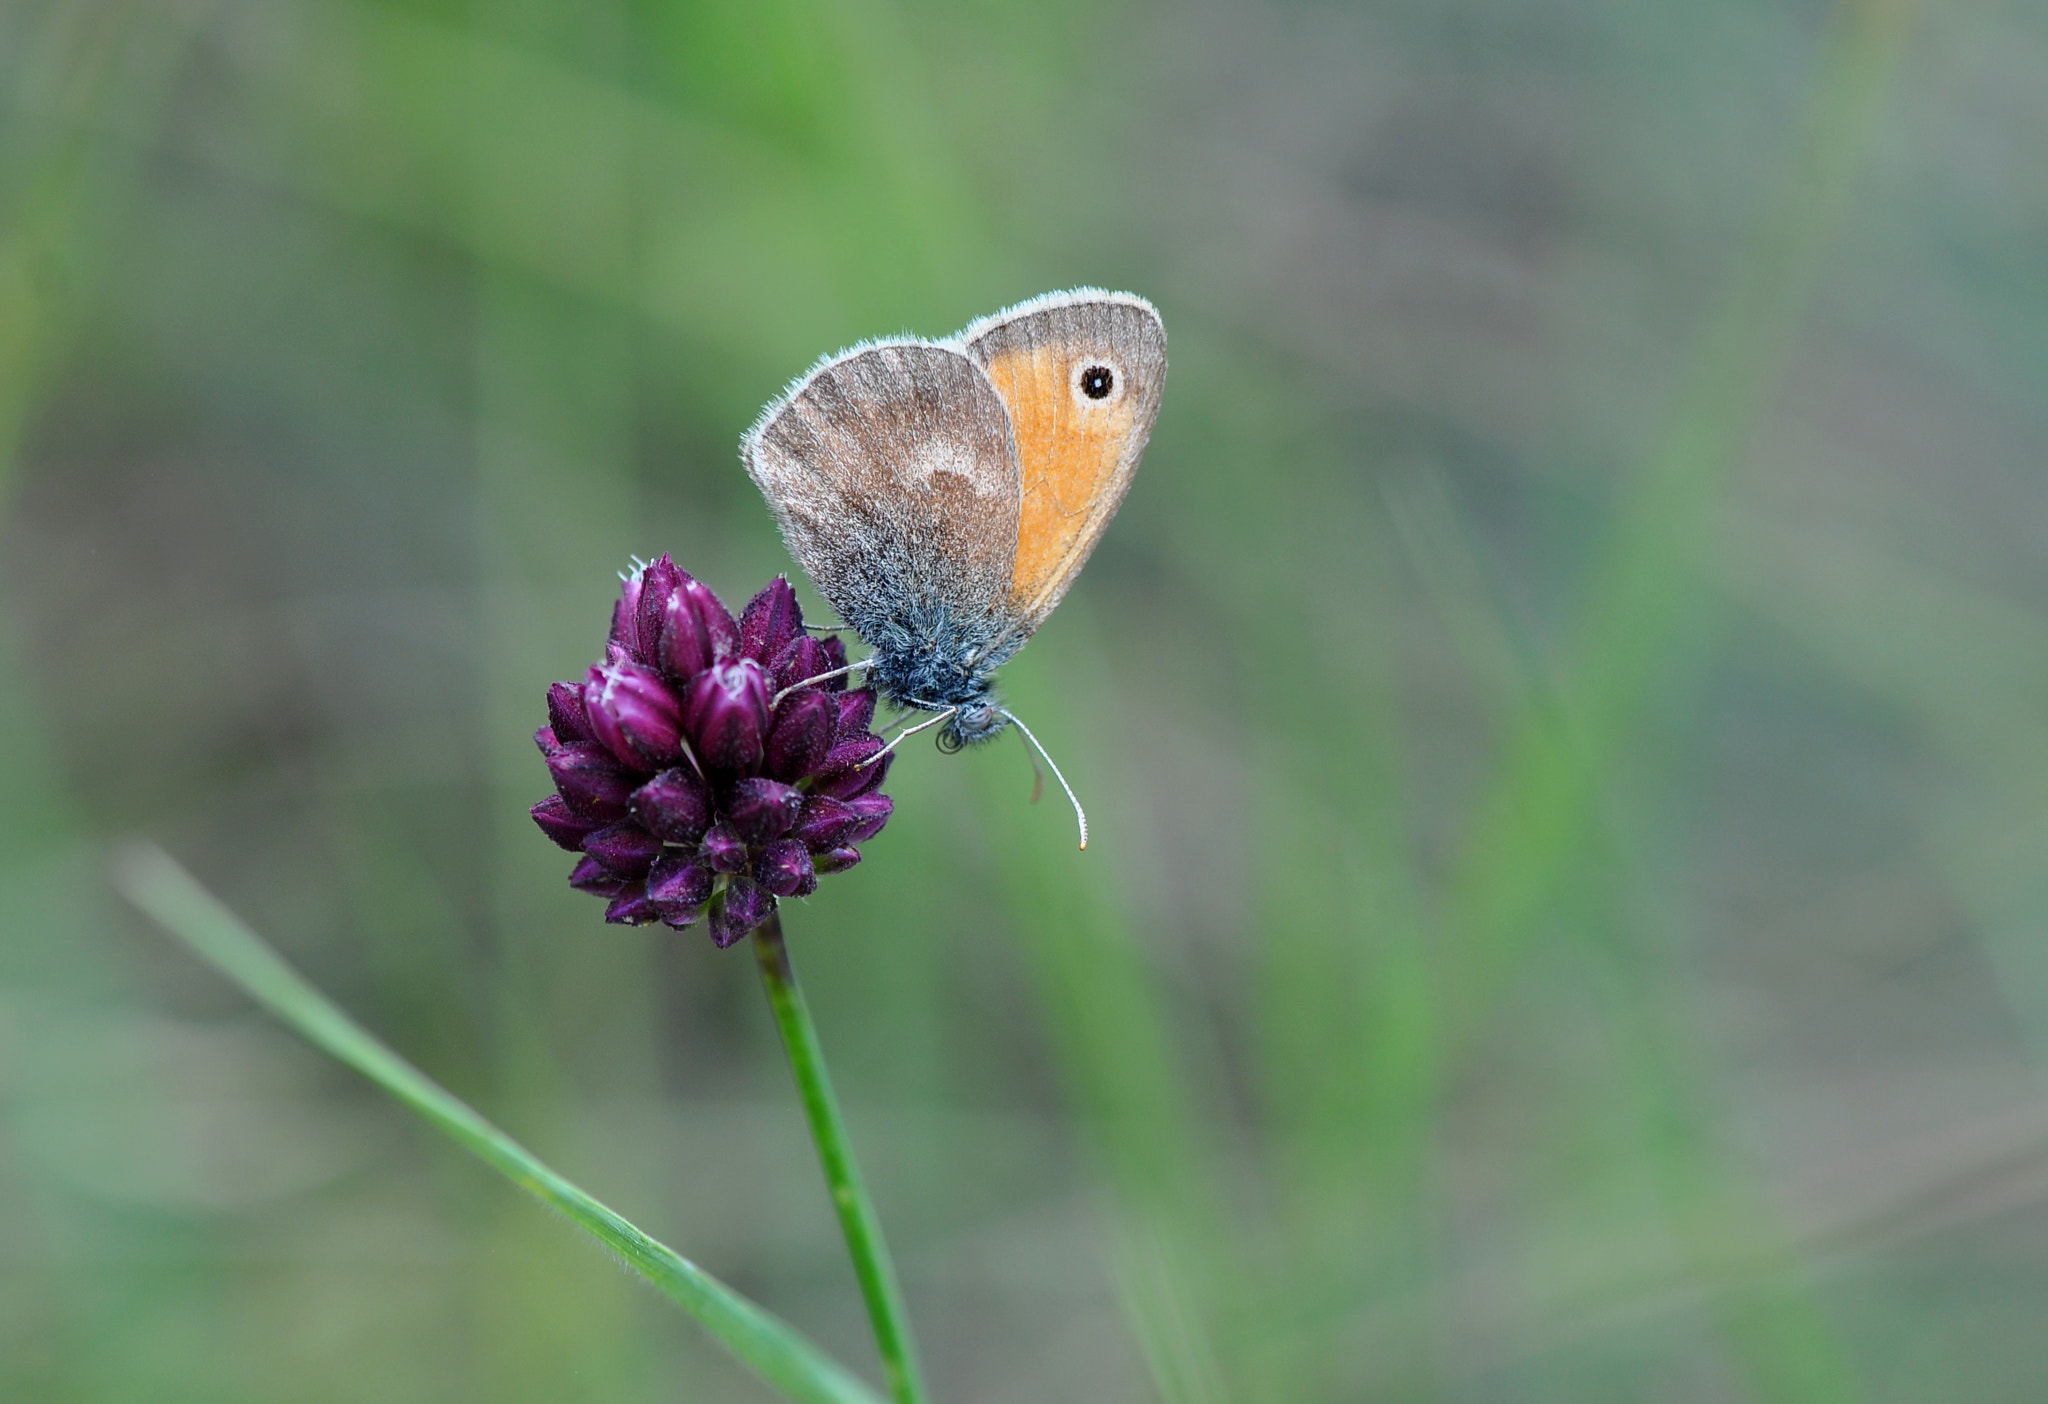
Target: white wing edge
{"points": [[1044, 302]]}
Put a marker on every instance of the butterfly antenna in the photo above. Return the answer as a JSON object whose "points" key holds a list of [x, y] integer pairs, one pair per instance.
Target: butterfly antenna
{"points": [[1080, 815], [904, 734]]}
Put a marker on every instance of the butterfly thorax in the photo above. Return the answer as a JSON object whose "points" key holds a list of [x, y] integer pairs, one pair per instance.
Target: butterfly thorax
{"points": [[932, 659]]}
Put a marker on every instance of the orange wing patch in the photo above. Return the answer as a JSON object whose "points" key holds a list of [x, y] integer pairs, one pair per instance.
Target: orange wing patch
{"points": [[1069, 453]]}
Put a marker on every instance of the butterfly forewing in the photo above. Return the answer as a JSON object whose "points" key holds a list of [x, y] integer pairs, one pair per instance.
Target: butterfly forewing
{"points": [[893, 473], [1081, 375]]}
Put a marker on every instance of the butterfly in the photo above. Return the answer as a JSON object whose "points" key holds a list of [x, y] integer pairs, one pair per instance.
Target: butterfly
{"points": [[943, 495]]}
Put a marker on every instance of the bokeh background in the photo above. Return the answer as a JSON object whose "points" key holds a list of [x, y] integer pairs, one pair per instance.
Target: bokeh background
{"points": [[1564, 708]]}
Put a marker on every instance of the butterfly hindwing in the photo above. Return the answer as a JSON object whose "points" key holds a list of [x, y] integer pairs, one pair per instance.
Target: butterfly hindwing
{"points": [[1080, 374], [893, 473]]}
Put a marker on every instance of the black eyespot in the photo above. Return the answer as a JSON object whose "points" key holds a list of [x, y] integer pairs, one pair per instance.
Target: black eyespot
{"points": [[1097, 382]]}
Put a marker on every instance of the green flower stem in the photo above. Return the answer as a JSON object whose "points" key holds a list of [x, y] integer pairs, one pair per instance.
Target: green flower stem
{"points": [[149, 878], [857, 1218]]}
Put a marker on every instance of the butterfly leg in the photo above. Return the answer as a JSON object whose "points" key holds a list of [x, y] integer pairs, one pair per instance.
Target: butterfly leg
{"points": [[904, 734], [776, 700]]}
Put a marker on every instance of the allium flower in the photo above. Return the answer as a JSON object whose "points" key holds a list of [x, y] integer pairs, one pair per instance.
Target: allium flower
{"points": [[693, 774]]}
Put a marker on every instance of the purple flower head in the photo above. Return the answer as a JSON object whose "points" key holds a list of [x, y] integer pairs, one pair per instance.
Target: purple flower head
{"points": [[694, 778]]}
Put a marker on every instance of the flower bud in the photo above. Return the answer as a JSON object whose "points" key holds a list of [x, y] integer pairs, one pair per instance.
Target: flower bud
{"points": [[589, 875], [715, 624], [764, 809], [677, 882], [835, 657], [590, 781], [627, 849], [694, 630], [842, 776], [849, 753], [835, 860], [873, 812], [727, 713], [801, 660], [631, 907], [675, 805], [771, 621], [824, 823], [745, 907], [634, 714], [802, 735], [566, 716], [784, 868], [563, 824], [856, 712], [723, 850], [659, 582], [625, 636]]}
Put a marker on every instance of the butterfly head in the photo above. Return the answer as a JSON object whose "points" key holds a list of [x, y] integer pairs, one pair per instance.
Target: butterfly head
{"points": [[977, 721]]}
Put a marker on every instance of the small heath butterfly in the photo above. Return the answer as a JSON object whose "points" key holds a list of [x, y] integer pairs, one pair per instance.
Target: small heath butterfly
{"points": [[943, 495]]}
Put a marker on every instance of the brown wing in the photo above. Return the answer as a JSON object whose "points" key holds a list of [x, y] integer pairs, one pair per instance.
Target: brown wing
{"points": [[1081, 374], [893, 474]]}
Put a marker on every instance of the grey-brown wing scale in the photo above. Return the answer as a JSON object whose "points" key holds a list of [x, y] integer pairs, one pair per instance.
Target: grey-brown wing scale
{"points": [[892, 471]]}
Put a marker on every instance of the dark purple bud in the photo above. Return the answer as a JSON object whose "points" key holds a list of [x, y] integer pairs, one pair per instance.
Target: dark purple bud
{"points": [[591, 781], [856, 712], [802, 735], [771, 620], [683, 649], [631, 907], [675, 805], [851, 751], [842, 776], [825, 823], [589, 875], [658, 586], [800, 660], [835, 860], [764, 809], [563, 824], [709, 636], [835, 657], [677, 880], [625, 635], [723, 849], [784, 868], [626, 849], [687, 627], [727, 713], [745, 907], [874, 811], [679, 918], [566, 715], [634, 714], [548, 742]]}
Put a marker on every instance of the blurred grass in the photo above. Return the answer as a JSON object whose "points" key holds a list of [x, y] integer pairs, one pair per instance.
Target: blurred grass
{"points": [[167, 894], [1557, 708]]}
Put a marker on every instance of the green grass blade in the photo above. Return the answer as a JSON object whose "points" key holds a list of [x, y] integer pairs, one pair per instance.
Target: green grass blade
{"points": [[153, 881]]}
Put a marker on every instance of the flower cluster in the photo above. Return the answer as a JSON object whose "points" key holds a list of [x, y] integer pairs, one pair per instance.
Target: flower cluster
{"points": [[693, 774]]}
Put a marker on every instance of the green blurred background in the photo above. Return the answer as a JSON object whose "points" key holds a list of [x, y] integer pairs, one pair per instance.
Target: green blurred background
{"points": [[1564, 708]]}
